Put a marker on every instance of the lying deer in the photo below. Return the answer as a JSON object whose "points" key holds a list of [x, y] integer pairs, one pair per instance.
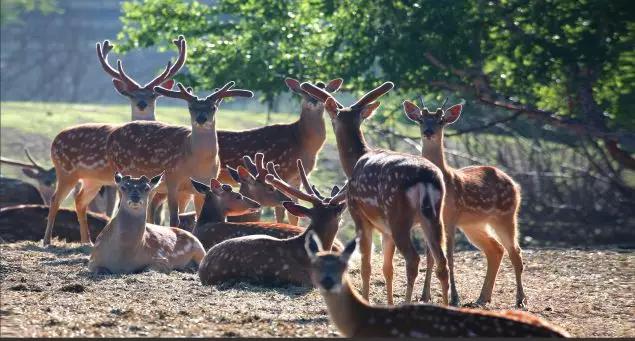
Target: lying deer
{"points": [[17, 192], [280, 143], [272, 261], [388, 191], [24, 222], [128, 244], [79, 153], [220, 202], [146, 147], [355, 317], [476, 197]]}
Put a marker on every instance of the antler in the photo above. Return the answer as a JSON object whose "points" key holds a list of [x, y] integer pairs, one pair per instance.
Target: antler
{"points": [[18, 163], [257, 169], [226, 92], [182, 93], [281, 185], [125, 78], [171, 70], [444, 103], [102, 55], [339, 196], [423, 103], [374, 94], [35, 164], [318, 93]]}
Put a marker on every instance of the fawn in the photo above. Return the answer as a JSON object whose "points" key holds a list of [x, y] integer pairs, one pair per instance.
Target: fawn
{"points": [[355, 317], [272, 261], [387, 191], [476, 196], [128, 244]]}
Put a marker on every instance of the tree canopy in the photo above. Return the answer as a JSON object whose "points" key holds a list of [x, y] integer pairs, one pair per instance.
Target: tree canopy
{"points": [[566, 63]]}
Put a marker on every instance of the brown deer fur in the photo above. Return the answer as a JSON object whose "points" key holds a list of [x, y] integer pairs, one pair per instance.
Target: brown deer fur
{"points": [[17, 192], [388, 191], [355, 317], [128, 244], [476, 197], [272, 261], [281, 144]]}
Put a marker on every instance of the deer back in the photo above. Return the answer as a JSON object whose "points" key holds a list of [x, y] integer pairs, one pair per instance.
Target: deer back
{"points": [[17, 192], [82, 148], [211, 234]]}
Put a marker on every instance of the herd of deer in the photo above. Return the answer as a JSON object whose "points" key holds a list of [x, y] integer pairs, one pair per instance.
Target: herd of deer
{"points": [[149, 161]]}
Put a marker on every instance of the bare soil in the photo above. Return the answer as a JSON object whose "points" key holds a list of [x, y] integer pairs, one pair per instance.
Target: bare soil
{"points": [[49, 292]]}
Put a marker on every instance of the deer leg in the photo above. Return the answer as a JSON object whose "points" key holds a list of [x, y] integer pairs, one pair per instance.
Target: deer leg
{"points": [[434, 233], [365, 248], [406, 248], [111, 199], [155, 208], [199, 200], [450, 231], [64, 186], [493, 250], [426, 294], [280, 212], [184, 199], [388, 248], [83, 198], [173, 204], [506, 230]]}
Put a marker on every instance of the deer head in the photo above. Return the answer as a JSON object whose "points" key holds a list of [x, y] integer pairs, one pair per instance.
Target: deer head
{"points": [[353, 115], [252, 182], [308, 100], [46, 178], [143, 98], [224, 199], [430, 122], [328, 268], [203, 111], [134, 191]]}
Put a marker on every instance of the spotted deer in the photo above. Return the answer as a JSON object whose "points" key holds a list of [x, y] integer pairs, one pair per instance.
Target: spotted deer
{"points": [[387, 191], [128, 244], [46, 179], [280, 143], [147, 147], [267, 260], [220, 202], [355, 317], [142, 98], [476, 196], [253, 184]]}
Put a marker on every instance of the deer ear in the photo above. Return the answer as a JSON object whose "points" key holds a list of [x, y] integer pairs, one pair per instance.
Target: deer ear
{"points": [[296, 210], [293, 85], [169, 84], [334, 85], [199, 186], [312, 244], [121, 87], [349, 249], [233, 173], [369, 110], [452, 114], [215, 184], [154, 181], [30, 173], [412, 111], [331, 107], [118, 177]]}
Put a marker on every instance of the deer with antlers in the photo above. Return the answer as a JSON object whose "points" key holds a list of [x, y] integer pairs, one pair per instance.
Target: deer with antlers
{"points": [[146, 147], [128, 244], [355, 317], [281, 143], [476, 196], [269, 260], [387, 191], [142, 98]]}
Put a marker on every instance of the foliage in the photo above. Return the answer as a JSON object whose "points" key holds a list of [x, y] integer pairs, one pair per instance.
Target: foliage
{"points": [[12, 10]]}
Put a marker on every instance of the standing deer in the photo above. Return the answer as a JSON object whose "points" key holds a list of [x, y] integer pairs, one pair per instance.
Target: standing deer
{"points": [[281, 143], [79, 152], [128, 244], [221, 201], [142, 98], [268, 260], [476, 197], [252, 180], [388, 191], [146, 147], [355, 317]]}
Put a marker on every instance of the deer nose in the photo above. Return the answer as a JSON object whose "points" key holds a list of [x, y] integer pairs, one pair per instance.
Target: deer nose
{"points": [[200, 119], [142, 105], [428, 133], [327, 283]]}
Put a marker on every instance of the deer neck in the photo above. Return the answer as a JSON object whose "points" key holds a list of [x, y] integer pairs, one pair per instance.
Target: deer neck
{"points": [[130, 225], [205, 141], [326, 231], [433, 150], [146, 115], [212, 211], [351, 145], [311, 125], [345, 307]]}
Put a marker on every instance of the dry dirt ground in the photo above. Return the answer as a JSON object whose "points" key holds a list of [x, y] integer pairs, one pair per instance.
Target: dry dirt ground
{"points": [[49, 292]]}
